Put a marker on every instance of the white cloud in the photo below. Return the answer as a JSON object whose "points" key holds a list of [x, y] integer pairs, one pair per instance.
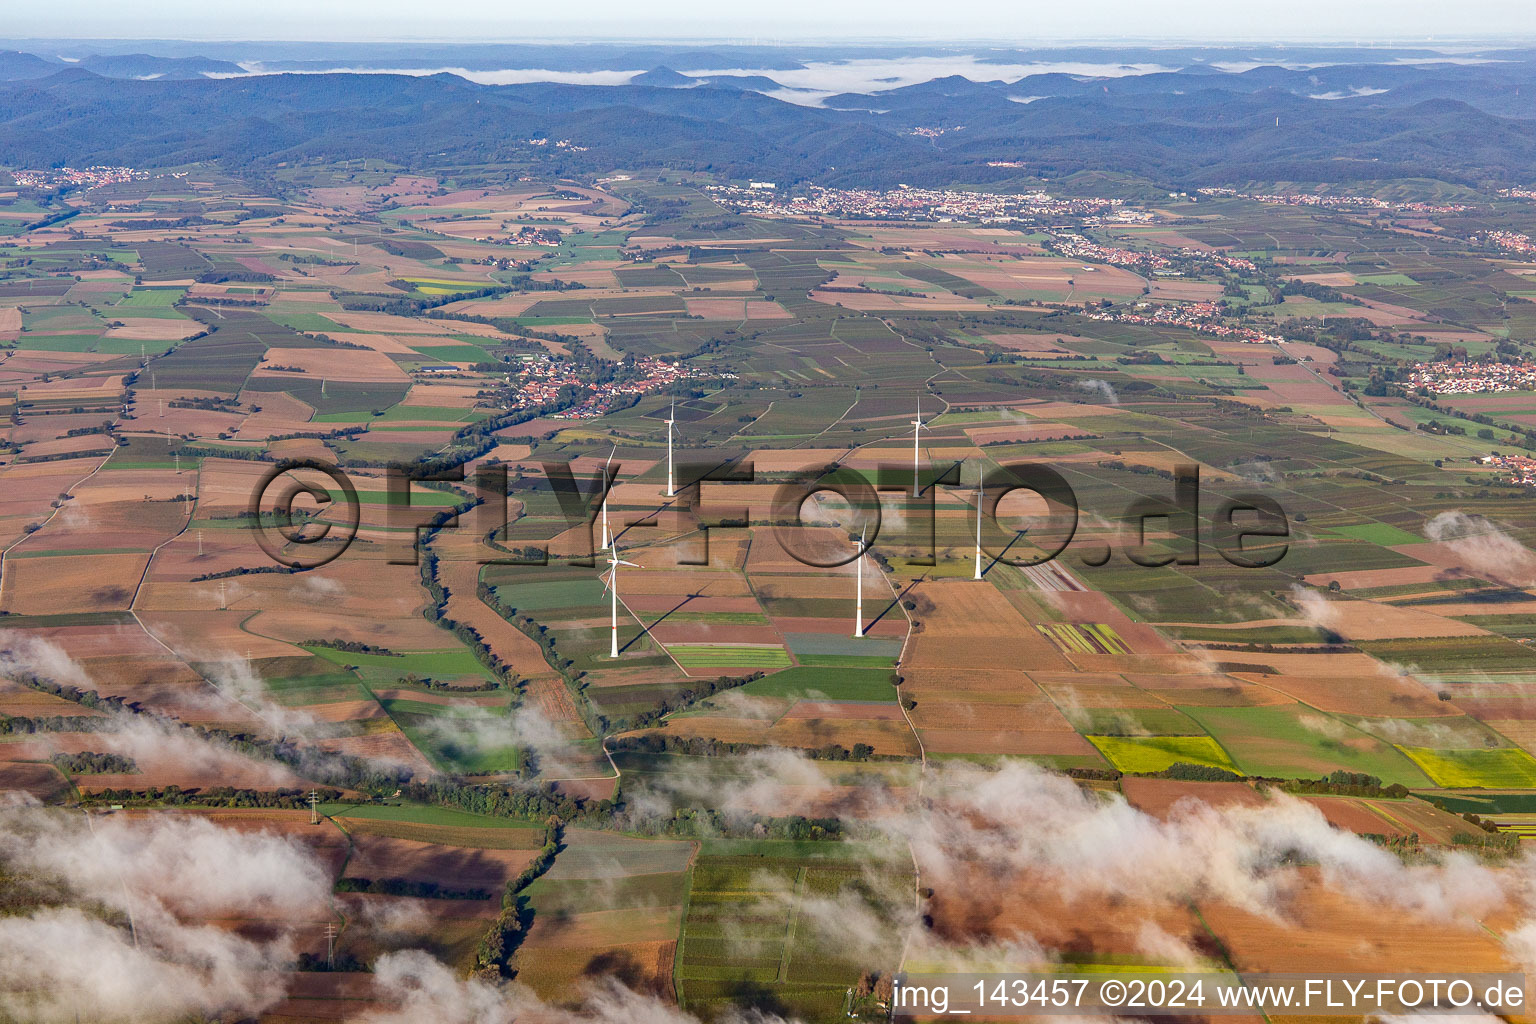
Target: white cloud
{"points": [[422, 989], [74, 967], [1102, 388], [158, 874], [1484, 546], [1316, 609]]}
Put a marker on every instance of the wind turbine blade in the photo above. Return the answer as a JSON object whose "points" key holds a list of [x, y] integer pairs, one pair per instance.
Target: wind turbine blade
{"points": [[632, 565], [610, 457]]}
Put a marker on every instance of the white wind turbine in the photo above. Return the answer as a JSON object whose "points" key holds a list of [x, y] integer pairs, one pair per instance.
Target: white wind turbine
{"points": [[611, 584], [980, 495], [918, 426], [671, 419], [607, 487], [858, 607]]}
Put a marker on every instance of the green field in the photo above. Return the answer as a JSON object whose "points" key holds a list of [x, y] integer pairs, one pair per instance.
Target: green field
{"points": [[1382, 534], [1290, 741], [868, 684], [1135, 722], [422, 814], [450, 663], [533, 597], [313, 323], [419, 497], [464, 740], [447, 285], [1522, 802], [152, 298], [1471, 654], [744, 929], [846, 661], [726, 656], [464, 353]]}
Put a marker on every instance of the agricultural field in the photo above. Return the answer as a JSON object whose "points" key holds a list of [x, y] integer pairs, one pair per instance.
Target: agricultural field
{"points": [[611, 902], [555, 558], [755, 922], [1150, 754], [1480, 769]]}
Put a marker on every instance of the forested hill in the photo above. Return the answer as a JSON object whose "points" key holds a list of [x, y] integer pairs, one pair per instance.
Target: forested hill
{"points": [[1182, 128]]}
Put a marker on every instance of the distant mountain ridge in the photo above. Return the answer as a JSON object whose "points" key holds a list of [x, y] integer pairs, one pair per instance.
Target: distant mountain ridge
{"points": [[16, 66], [663, 77], [146, 66], [1466, 123]]}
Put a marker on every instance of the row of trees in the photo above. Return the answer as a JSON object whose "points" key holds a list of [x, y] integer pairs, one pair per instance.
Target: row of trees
{"points": [[408, 887], [507, 932], [91, 763], [707, 746]]}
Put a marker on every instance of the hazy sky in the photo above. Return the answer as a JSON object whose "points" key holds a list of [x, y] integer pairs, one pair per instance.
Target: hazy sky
{"points": [[1008, 22]]}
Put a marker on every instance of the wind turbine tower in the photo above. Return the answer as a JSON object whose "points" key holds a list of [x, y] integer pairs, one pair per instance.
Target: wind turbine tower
{"points": [[611, 584], [980, 494], [607, 487], [918, 426], [671, 483], [858, 605]]}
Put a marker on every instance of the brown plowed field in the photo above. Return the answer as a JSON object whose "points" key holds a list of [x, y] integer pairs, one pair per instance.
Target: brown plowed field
{"points": [[1354, 815], [1158, 796], [376, 856], [76, 583], [845, 709], [975, 625], [1353, 695], [1325, 926], [490, 838], [391, 747]]}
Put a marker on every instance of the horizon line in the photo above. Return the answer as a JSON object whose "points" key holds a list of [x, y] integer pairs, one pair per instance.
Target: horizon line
{"points": [[1431, 42]]}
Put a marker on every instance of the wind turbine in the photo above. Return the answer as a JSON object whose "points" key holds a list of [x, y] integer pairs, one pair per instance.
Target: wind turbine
{"points": [[980, 494], [671, 419], [918, 426], [607, 487], [611, 584], [858, 607]]}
